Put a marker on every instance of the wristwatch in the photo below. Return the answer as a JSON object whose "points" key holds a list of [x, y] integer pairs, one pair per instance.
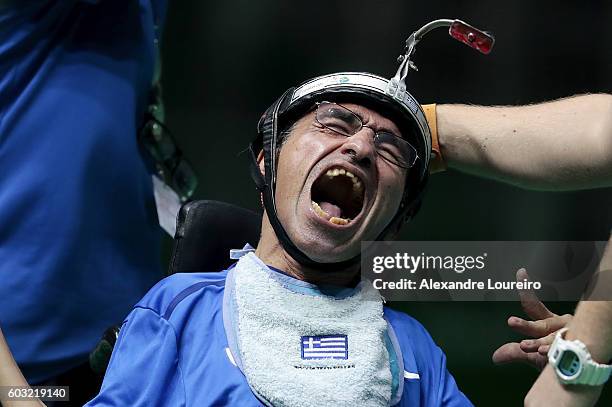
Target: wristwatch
{"points": [[573, 362]]}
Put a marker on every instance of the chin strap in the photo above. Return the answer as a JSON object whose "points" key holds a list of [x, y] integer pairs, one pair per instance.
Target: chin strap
{"points": [[266, 184]]}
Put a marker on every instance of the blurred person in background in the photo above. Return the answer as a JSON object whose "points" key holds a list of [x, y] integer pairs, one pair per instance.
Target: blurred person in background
{"points": [[79, 236]]}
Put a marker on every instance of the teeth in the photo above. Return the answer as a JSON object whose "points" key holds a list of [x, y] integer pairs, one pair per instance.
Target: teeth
{"points": [[339, 221], [357, 193], [335, 220], [319, 211], [334, 172], [357, 185]]}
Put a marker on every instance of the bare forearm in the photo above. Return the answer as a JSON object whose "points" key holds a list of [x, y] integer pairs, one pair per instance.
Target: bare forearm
{"points": [[592, 323], [10, 375], [560, 145]]}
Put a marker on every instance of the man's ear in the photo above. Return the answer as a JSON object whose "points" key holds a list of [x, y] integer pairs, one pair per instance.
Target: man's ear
{"points": [[261, 162]]}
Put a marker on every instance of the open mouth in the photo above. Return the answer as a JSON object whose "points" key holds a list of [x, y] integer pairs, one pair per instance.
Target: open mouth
{"points": [[337, 196]]}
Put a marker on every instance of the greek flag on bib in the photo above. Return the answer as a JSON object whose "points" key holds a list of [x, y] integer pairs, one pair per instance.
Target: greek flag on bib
{"points": [[325, 347]]}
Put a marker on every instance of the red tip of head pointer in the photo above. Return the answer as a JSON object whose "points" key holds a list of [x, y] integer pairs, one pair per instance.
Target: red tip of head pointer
{"points": [[471, 36]]}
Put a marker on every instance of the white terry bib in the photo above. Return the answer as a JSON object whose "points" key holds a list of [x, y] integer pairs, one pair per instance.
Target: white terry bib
{"points": [[298, 346]]}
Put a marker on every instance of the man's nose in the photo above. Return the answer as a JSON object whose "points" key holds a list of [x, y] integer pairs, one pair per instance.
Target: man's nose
{"points": [[360, 146]]}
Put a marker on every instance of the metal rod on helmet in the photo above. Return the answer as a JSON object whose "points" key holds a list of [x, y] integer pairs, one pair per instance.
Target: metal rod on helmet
{"points": [[418, 34], [461, 31], [413, 40]]}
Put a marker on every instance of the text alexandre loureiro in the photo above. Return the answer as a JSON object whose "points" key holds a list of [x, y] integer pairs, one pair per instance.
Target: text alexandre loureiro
{"points": [[458, 264]]}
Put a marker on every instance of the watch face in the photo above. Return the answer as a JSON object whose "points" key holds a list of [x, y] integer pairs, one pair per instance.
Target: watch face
{"points": [[569, 364]]}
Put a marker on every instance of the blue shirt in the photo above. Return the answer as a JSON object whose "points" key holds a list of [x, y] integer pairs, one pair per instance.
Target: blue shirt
{"points": [[79, 241], [172, 351]]}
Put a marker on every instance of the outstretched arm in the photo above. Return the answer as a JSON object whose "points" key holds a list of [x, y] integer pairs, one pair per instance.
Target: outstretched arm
{"points": [[592, 324], [560, 145]]}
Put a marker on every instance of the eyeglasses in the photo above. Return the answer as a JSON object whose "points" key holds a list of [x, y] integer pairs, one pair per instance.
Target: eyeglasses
{"points": [[345, 122], [169, 160]]}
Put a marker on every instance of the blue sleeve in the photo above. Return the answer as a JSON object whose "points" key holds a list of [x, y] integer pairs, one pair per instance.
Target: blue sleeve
{"points": [[449, 394], [144, 368], [435, 386]]}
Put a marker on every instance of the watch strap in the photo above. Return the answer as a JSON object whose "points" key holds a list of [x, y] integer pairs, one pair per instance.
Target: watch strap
{"points": [[593, 373]]}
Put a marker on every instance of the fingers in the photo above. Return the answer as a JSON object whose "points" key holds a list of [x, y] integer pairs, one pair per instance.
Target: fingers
{"points": [[540, 328], [543, 350], [507, 353], [512, 352], [534, 345], [530, 302], [531, 351]]}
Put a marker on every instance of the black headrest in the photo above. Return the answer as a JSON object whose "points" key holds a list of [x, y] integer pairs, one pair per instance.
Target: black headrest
{"points": [[205, 233]]}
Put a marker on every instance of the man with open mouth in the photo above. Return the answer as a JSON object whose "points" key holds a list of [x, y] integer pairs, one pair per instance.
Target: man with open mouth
{"points": [[338, 160], [341, 159]]}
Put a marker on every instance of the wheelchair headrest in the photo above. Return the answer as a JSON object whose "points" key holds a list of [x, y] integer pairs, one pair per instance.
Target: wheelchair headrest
{"points": [[205, 233]]}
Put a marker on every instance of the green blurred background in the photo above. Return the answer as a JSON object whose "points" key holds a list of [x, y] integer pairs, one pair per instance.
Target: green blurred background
{"points": [[225, 62]]}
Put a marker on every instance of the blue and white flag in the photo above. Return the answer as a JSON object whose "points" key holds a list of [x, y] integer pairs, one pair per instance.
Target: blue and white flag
{"points": [[325, 347]]}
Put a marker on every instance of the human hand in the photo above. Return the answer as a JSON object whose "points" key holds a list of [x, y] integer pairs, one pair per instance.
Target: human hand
{"points": [[543, 328]]}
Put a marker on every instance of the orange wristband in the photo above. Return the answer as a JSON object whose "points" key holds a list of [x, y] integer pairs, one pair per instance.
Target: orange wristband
{"points": [[437, 162]]}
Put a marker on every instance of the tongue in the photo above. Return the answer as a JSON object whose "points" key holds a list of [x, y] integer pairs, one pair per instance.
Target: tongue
{"points": [[331, 209]]}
